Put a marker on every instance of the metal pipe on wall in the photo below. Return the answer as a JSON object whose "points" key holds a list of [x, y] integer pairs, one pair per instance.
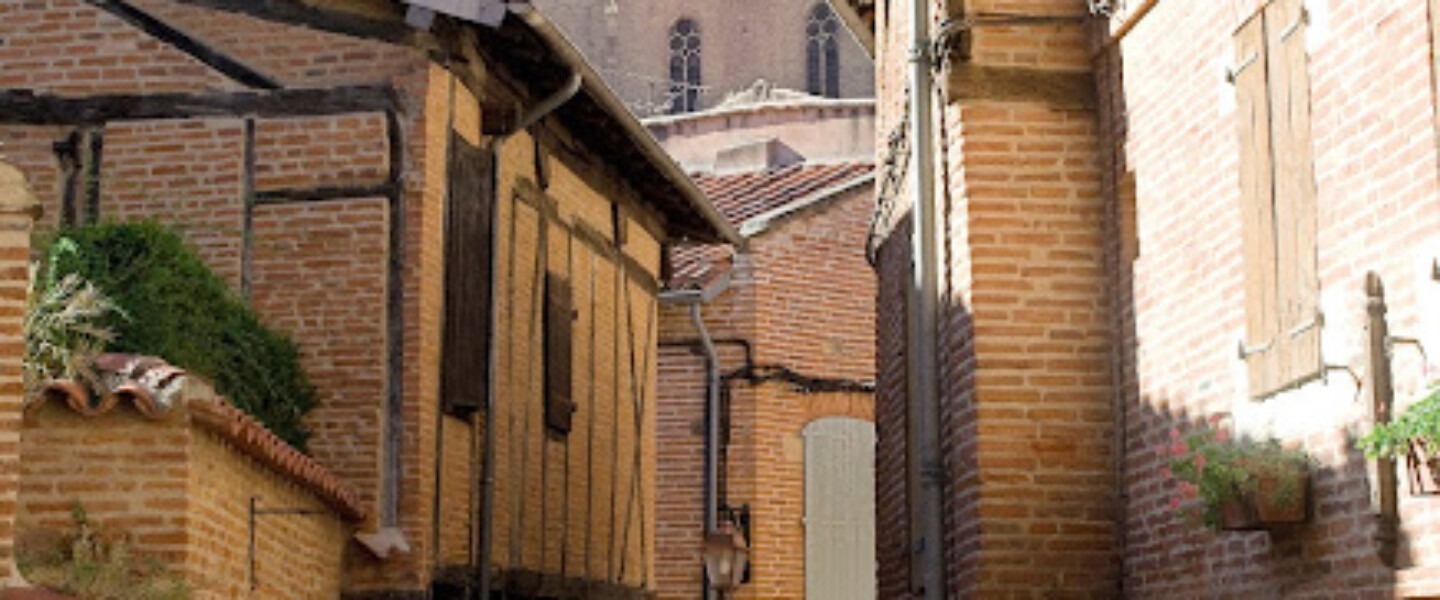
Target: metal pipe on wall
{"points": [[695, 299], [487, 504], [925, 471]]}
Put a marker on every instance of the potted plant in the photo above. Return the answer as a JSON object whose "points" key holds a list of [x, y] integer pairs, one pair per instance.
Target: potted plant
{"points": [[1231, 484], [1415, 435]]}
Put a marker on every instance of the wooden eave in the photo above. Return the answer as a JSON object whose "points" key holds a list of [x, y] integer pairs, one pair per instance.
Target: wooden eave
{"points": [[527, 44]]}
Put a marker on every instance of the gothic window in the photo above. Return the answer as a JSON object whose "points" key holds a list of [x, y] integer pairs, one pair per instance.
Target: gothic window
{"points": [[684, 67], [822, 52]]}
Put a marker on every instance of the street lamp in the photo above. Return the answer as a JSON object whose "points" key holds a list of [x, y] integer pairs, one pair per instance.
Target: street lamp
{"points": [[726, 554]]}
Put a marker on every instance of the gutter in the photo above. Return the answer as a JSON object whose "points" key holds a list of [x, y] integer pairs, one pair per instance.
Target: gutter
{"points": [[695, 299], [596, 89]]}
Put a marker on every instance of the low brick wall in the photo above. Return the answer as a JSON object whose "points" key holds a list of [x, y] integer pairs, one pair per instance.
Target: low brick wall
{"points": [[179, 487]]}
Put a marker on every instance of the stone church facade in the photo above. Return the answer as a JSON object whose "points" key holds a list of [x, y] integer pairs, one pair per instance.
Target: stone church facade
{"points": [[666, 57]]}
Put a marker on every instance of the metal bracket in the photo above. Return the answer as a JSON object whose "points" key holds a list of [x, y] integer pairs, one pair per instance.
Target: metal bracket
{"points": [[1303, 19], [256, 511], [1248, 351], [1392, 341], [1318, 321], [1233, 73]]}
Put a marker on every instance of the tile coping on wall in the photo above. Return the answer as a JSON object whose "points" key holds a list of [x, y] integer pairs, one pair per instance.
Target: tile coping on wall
{"points": [[156, 389]]}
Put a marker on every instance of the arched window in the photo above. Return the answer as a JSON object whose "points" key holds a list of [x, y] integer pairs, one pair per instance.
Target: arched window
{"points": [[684, 67], [822, 52]]}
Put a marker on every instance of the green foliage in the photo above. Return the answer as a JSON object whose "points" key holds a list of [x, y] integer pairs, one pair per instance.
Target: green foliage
{"points": [[90, 566], [64, 325], [179, 310], [1418, 425], [1213, 469]]}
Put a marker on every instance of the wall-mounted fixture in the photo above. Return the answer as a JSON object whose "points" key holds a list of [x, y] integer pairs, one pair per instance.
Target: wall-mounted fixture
{"points": [[727, 556]]}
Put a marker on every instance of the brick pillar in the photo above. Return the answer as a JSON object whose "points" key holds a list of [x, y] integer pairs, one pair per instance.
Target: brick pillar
{"points": [[18, 209], [1026, 377]]}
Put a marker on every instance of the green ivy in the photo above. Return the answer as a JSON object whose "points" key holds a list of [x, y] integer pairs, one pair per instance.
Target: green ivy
{"points": [[178, 309], [1420, 424]]}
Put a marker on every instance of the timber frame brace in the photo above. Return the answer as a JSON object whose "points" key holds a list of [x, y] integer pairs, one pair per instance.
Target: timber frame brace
{"points": [[27, 107]]}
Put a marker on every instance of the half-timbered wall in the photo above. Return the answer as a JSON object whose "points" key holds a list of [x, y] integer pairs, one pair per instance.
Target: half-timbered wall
{"points": [[314, 171], [572, 508]]}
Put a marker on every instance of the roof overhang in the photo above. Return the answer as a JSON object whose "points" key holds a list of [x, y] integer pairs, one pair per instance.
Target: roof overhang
{"points": [[527, 43]]}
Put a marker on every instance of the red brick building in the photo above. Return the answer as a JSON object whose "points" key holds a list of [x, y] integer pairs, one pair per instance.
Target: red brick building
{"points": [[458, 223], [1151, 213], [793, 326]]}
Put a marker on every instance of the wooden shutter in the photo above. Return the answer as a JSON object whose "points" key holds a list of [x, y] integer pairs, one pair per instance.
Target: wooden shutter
{"points": [[1256, 204], [1297, 340], [1435, 63], [840, 509], [465, 358], [559, 326]]}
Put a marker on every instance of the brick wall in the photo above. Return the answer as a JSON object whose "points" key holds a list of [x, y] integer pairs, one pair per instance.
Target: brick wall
{"points": [[131, 477], [317, 272], [296, 555], [1040, 200], [179, 494], [73, 47], [892, 522], [1025, 355], [18, 207], [308, 252], [1371, 95], [808, 304], [186, 174]]}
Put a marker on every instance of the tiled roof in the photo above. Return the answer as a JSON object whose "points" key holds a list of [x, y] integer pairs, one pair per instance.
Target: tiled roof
{"points": [[155, 389], [743, 196]]}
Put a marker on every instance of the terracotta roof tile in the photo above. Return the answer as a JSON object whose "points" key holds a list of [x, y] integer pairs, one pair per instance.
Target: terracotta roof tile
{"points": [[742, 196], [155, 389]]}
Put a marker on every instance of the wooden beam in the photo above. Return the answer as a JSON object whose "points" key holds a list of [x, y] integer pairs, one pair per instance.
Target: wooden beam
{"points": [[184, 42], [27, 107], [1059, 89], [380, 20], [326, 193]]}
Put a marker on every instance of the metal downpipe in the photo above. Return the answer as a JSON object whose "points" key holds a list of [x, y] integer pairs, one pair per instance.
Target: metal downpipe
{"points": [[487, 518], [696, 299], [925, 471], [712, 431]]}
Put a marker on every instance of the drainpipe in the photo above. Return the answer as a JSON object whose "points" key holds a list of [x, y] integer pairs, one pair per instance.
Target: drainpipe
{"points": [[695, 299], [487, 508], [924, 466]]}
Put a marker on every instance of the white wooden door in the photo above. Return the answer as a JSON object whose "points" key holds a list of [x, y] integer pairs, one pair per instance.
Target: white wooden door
{"points": [[840, 509]]}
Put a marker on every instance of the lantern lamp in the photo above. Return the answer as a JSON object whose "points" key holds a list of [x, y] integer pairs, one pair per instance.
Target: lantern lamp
{"points": [[726, 554]]}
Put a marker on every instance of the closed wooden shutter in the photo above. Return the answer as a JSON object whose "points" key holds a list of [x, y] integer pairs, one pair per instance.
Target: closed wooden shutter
{"points": [[465, 357], [1297, 341], [840, 509], [1256, 204], [1435, 64], [559, 327]]}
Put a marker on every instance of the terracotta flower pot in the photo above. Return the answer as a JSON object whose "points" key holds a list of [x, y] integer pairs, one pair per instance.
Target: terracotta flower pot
{"points": [[1276, 505], [1238, 515], [1272, 503]]}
